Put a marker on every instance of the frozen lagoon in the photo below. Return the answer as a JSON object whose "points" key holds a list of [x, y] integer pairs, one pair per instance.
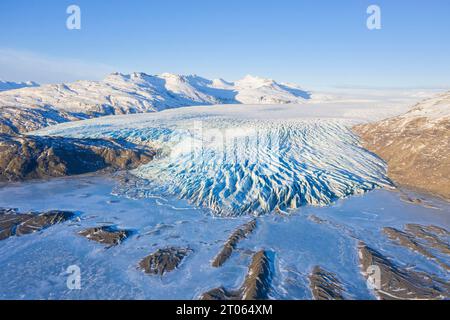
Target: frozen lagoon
{"points": [[34, 266]]}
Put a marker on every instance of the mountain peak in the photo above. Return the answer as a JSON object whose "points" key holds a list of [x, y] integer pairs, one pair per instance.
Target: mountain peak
{"points": [[221, 83], [171, 75], [255, 82], [115, 76], [139, 75]]}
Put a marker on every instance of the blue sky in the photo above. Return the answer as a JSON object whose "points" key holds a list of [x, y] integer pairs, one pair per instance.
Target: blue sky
{"points": [[322, 43]]}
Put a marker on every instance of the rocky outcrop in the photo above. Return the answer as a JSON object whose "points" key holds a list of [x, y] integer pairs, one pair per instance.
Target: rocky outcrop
{"points": [[416, 145], [409, 240], [238, 235], [221, 294], [30, 157], [15, 119], [13, 223], [393, 283], [164, 260], [325, 285], [256, 285], [257, 282], [109, 235], [433, 235]]}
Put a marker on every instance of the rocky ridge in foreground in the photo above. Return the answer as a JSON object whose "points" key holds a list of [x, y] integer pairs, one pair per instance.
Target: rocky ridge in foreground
{"points": [[325, 285], [164, 260], [107, 235], [256, 285], [13, 223], [230, 245], [411, 241], [390, 282]]}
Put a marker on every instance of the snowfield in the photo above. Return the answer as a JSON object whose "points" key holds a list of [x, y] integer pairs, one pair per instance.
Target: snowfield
{"points": [[245, 159]]}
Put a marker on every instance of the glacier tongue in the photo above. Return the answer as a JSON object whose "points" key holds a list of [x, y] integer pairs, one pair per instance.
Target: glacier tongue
{"points": [[244, 166]]}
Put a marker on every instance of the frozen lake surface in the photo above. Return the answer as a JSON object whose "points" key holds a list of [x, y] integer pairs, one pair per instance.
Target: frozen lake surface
{"points": [[34, 266]]}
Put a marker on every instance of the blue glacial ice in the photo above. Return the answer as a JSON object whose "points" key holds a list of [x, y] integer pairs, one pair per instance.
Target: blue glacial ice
{"points": [[237, 166]]}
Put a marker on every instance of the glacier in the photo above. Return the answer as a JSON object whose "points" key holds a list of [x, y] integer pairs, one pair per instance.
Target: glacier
{"points": [[248, 160]]}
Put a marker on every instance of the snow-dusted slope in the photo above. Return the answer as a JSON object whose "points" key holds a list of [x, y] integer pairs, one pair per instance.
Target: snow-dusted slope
{"points": [[254, 90], [435, 109], [10, 85], [416, 145], [134, 93], [243, 159]]}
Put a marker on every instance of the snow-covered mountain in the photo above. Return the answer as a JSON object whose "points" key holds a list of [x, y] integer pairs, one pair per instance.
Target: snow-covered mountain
{"points": [[10, 85], [134, 93], [434, 110]]}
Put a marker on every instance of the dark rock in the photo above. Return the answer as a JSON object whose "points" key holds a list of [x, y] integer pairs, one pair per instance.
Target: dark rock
{"points": [[256, 285], [325, 285], [14, 119], [19, 224], [432, 235], [108, 235], [400, 284], [164, 260], [31, 157], [221, 294], [238, 235], [408, 240]]}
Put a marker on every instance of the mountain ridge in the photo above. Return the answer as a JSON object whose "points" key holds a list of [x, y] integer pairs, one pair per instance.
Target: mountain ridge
{"points": [[137, 92], [11, 85]]}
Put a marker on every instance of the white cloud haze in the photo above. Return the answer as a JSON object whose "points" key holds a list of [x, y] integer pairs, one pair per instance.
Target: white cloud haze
{"points": [[17, 65]]}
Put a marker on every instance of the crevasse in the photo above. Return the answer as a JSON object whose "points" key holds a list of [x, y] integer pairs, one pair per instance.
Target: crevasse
{"points": [[243, 166]]}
